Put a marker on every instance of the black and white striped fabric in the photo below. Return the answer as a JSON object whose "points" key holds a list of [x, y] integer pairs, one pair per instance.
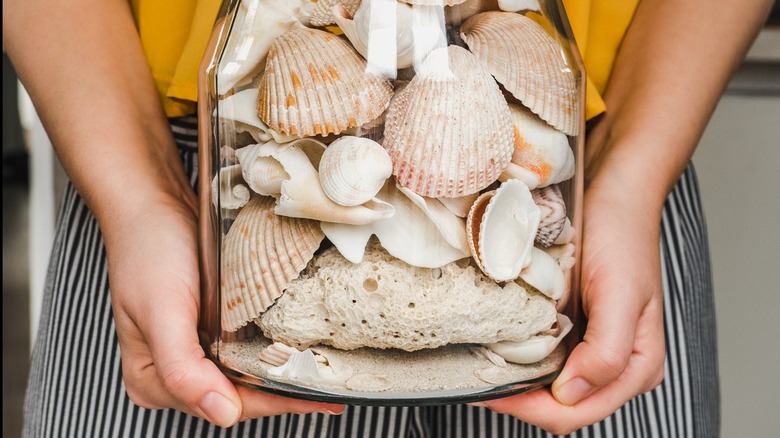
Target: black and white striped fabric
{"points": [[76, 389]]}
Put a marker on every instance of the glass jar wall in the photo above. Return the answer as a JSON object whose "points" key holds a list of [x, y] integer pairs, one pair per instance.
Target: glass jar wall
{"points": [[390, 197]]}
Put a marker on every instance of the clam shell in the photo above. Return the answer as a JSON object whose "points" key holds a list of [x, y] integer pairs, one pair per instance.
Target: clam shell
{"points": [[261, 254], [534, 349], [553, 210], [315, 84], [502, 226], [353, 169], [448, 132], [542, 155], [529, 63], [322, 14]]}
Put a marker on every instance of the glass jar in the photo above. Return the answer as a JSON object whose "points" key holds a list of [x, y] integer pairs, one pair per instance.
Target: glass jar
{"points": [[390, 197]]}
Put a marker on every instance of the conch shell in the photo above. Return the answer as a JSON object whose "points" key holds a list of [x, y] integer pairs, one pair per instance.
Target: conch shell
{"points": [[418, 30], [353, 169]]}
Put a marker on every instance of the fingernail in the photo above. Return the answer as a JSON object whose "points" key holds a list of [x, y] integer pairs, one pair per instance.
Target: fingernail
{"points": [[329, 412], [219, 409], [573, 391]]}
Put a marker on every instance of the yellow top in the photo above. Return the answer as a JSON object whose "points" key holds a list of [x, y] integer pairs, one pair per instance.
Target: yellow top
{"points": [[174, 34]]}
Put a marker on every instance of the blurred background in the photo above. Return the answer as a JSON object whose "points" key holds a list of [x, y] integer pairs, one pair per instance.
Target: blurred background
{"points": [[738, 163]]}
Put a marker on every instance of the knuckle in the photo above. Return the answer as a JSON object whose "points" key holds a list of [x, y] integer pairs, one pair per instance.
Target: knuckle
{"points": [[175, 378], [610, 363]]}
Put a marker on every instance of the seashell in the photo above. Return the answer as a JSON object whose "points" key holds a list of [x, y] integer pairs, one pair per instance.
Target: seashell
{"points": [[261, 254], [418, 30], [502, 226], [529, 63], [553, 211], [434, 2], [241, 109], [254, 29], [353, 169], [460, 205], [494, 375], [542, 156], [567, 234], [428, 237], [518, 5], [322, 15], [228, 190], [544, 274], [457, 14], [535, 348], [277, 354], [440, 145], [303, 366], [482, 352], [369, 383], [315, 84], [563, 255]]}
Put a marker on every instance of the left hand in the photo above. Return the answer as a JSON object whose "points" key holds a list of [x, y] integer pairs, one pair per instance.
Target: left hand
{"points": [[622, 353]]}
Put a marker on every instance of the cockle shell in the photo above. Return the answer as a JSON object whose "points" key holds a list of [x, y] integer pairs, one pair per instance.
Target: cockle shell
{"points": [[254, 29], [534, 349], [261, 254], [241, 109], [287, 172], [353, 169], [544, 274], [529, 63], [228, 190], [420, 233], [392, 35], [542, 155], [322, 15], [518, 5], [553, 210], [502, 226], [315, 84], [449, 132]]}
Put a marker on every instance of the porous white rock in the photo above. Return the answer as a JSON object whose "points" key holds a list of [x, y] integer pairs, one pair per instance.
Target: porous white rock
{"points": [[383, 302]]}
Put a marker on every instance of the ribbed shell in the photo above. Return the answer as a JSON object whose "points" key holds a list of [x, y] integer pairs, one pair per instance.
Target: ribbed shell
{"points": [[529, 63], [261, 254], [449, 132], [315, 84], [553, 214], [353, 169], [321, 15]]}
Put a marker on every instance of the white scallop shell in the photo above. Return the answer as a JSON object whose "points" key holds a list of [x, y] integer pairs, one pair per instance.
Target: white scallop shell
{"points": [[392, 35], [529, 63], [228, 190], [534, 349], [261, 254], [448, 132], [322, 15], [353, 169], [544, 274], [542, 155], [254, 29], [241, 109], [502, 227], [315, 83], [432, 229], [553, 210]]}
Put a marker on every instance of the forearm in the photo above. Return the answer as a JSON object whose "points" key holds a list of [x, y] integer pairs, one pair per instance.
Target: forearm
{"points": [[672, 67], [82, 63]]}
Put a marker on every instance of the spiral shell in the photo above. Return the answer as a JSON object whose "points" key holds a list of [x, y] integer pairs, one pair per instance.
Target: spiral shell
{"points": [[449, 131], [261, 254], [529, 63], [353, 169], [553, 210], [315, 84]]}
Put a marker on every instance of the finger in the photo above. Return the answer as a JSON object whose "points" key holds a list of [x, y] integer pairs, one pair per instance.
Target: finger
{"points": [[261, 404]]}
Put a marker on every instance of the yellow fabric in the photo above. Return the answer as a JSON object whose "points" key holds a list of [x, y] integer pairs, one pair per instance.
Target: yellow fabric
{"points": [[174, 34]]}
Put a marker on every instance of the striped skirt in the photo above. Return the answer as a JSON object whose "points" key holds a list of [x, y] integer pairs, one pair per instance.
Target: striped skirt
{"points": [[76, 389]]}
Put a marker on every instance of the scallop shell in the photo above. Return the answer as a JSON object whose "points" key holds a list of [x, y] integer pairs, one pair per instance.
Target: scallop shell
{"points": [[553, 210], [529, 63], [535, 348], [542, 155], [261, 254], [322, 14], [449, 132], [502, 226], [353, 169], [315, 84], [417, 30]]}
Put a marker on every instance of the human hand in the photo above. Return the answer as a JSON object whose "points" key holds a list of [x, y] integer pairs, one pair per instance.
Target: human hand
{"points": [[622, 353], [154, 281]]}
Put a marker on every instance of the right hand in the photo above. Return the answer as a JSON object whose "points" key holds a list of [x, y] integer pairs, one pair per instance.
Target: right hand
{"points": [[154, 282]]}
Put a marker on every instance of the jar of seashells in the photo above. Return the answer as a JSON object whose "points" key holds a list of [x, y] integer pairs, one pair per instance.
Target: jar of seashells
{"points": [[390, 197]]}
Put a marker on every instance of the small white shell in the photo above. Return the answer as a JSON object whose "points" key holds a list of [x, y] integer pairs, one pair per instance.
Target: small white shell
{"points": [[494, 374], [503, 226], [483, 352], [535, 348], [232, 192], [544, 274], [304, 366], [369, 383], [353, 169], [567, 234]]}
